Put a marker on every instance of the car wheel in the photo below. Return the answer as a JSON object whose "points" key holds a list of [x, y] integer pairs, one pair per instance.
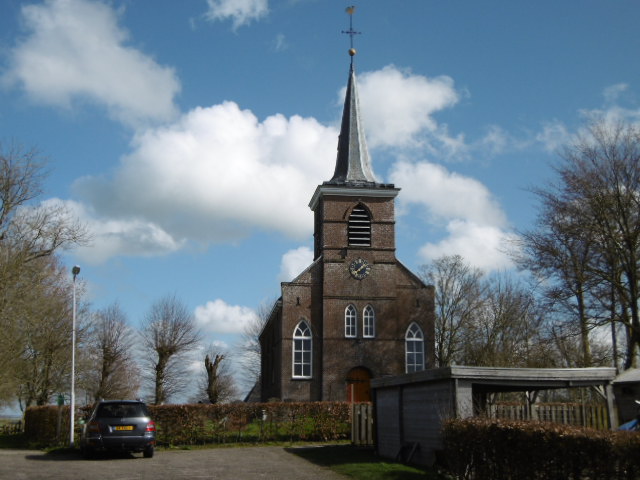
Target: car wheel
{"points": [[148, 451]]}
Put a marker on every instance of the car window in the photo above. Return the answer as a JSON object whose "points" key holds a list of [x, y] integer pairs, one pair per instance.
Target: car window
{"points": [[120, 410]]}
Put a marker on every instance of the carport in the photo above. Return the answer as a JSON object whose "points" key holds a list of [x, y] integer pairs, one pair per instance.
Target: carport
{"points": [[410, 409]]}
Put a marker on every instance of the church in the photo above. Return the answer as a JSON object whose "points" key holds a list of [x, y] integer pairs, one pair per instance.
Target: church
{"points": [[355, 313]]}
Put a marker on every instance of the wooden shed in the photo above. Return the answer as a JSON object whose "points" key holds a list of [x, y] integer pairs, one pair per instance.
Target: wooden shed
{"points": [[410, 409], [626, 387]]}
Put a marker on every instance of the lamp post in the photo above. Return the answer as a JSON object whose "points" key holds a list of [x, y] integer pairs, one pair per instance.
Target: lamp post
{"points": [[74, 271]]}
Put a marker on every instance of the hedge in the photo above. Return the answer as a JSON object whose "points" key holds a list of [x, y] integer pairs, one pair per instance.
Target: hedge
{"points": [[479, 449], [203, 423]]}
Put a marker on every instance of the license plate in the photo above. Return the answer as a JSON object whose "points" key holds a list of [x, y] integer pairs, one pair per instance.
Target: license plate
{"points": [[124, 427]]}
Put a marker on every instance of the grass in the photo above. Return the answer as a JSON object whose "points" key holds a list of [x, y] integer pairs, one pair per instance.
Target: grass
{"points": [[362, 464]]}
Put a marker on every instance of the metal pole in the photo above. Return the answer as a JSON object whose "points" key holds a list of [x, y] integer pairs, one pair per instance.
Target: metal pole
{"points": [[75, 271]]}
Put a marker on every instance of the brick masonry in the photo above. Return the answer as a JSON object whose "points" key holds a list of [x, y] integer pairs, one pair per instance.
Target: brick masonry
{"points": [[322, 292]]}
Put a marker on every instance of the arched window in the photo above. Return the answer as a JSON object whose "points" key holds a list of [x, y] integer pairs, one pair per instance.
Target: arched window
{"points": [[302, 351], [414, 349], [359, 227], [368, 322], [350, 321]]}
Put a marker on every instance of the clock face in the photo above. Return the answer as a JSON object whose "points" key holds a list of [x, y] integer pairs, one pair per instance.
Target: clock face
{"points": [[359, 268]]}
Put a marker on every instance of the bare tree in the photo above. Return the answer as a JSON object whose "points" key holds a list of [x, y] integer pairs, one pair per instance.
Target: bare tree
{"points": [[213, 377], [216, 384], [508, 329], [459, 295], [602, 169], [169, 334], [21, 175], [114, 373], [42, 330], [28, 233], [596, 202], [251, 356], [485, 320], [558, 252]]}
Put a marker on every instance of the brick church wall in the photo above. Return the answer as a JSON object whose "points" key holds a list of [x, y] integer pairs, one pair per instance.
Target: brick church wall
{"points": [[321, 294]]}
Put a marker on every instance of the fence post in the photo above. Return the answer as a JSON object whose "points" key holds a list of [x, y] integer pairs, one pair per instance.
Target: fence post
{"points": [[354, 424], [361, 424]]}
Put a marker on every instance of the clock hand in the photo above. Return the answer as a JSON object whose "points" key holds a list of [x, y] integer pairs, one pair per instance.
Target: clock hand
{"points": [[361, 267]]}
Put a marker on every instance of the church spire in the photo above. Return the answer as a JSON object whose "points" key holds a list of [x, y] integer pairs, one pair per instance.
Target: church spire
{"points": [[353, 165]]}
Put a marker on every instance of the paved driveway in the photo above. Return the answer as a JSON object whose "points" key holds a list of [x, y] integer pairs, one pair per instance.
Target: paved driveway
{"points": [[218, 464]]}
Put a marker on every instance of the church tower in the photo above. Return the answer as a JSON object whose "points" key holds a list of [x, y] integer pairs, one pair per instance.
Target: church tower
{"points": [[356, 312]]}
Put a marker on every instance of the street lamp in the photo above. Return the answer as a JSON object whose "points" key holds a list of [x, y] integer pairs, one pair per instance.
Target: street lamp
{"points": [[74, 271]]}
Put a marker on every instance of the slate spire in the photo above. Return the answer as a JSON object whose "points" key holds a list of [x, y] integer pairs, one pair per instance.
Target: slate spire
{"points": [[353, 165]]}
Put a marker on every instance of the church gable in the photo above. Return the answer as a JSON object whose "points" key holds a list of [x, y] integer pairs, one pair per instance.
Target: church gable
{"points": [[308, 275], [407, 277]]}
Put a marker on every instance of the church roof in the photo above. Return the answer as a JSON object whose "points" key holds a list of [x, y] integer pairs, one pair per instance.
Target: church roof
{"points": [[353, 165]]}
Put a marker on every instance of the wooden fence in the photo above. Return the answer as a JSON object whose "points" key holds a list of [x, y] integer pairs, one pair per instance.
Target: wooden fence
{"points": [[362, 424], [590, 415]]}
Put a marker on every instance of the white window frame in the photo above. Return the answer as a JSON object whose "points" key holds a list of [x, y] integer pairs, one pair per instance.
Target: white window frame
{"points": [[350, 321], [302, 351], [368, 322], [414, 349]]}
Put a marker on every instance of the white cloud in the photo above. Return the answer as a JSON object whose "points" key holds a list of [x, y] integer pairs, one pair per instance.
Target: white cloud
{"points": [[398, 109], [612, 93], [484, 246], [215, 175], [75, 50], [280, 43], [217, 316], [242, 12], [446, 194], [294, 262], [475, 223], [553, 136], [106, 237], [110, 237], [496, 141]]}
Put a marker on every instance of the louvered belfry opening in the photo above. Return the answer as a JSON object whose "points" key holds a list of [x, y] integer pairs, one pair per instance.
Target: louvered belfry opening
{"points": [[359, 229]]}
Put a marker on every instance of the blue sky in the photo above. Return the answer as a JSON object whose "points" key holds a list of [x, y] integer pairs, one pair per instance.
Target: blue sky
{"points": [[190, 136]]}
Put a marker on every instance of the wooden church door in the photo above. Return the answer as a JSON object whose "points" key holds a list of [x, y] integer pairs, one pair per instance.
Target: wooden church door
{"points": [[359, 385]]}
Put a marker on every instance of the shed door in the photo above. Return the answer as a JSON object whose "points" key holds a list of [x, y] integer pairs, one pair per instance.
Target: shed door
{"points": [[359, 385]]}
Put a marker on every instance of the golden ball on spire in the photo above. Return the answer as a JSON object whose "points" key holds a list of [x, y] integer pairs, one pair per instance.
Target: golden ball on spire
{"points": [[352, 52]]}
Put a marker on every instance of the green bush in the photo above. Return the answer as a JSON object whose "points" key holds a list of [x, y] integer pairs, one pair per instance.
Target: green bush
{"points": [[251, 422], [479, 449], [204, 424]]}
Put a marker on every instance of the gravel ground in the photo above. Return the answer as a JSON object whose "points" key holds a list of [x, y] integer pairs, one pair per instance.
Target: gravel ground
{"points": [[219, 464]]}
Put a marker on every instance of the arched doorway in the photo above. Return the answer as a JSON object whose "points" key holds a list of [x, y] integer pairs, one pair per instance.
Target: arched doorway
{"points": [[359, 385]]}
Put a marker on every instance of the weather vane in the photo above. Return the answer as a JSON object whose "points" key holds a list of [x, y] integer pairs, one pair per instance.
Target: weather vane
{"points": [[351, 32]]}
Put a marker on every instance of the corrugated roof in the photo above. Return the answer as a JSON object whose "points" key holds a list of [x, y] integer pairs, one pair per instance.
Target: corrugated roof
{"points": [[628, 376]]}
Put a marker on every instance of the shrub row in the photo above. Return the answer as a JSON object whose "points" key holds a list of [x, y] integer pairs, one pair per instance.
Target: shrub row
{"points": [[48, 425], [202, 423], [479, 449], [251, 422]]}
